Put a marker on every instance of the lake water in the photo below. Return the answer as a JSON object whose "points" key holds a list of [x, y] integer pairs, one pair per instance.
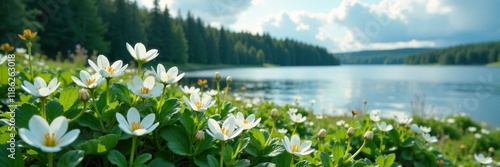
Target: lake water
{"points": [[474, 90]]}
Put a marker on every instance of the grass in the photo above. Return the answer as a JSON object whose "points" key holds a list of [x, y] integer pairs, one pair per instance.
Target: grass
{"points": [[494, 64]]}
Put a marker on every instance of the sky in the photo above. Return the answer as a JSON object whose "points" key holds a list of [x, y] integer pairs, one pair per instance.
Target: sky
{"points": [[353, 25]]}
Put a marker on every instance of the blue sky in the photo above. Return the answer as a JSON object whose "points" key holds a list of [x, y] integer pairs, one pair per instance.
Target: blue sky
{"points": [[352, 25]]}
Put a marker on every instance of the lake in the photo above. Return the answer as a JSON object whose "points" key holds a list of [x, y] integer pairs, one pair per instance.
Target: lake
{"points": [[392, 89]]}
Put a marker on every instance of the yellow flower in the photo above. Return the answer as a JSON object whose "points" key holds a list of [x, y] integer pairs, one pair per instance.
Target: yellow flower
{"points": [[27, 35], [6, 47]]}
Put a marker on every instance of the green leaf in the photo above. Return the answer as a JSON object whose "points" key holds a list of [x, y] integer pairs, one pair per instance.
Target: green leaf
{"points": [[187, 120], [325, 160], [409, 142], [121, 91], [10, 155], [302, 163], [24, 114], [380, 161], [406, 154], [53, 109], [100, 145], [228, 108], [266, 164], [160, 162], [212, 161], [142, 159], [282, 159], [389, 160], [117, 158], [228, 153], [168, 110], [359, 164], [71, 158], [274, 149], [88, 120], [68, 97], [242, 163], [177, 139], [257, 140], [338, 152], [206, 144]]}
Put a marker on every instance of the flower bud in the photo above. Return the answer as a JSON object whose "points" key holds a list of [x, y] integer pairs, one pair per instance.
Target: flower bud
{"points": [[200, 135], [440, 163], [274, 113], [463, 146], [491, 149], [350, 132], [322, 133], [229, 79], [83, 95], [354, 113], [217, 76], [368, 135]]}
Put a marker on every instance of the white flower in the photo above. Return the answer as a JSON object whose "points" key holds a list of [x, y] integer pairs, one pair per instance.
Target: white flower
{"points": [[167, 77], [247, 123], [2, 58], [485, 131], [146, 89], [49, 138], [198, 104], [226, 132], [415, 128], [374, 115], [384, 127], [450, 120], [297, 118], [294, 147], [139, 53], [282, 131], [483, 160], [472, 129], [292, 110], [319, 116], [312, 101], [211, 93], [189, 90], [477, 136], [133, 124], [88, 81], [429, 138], [425, 129], [340, 122], [403, 120], [115, 70], [40, 87], [20, 50]]}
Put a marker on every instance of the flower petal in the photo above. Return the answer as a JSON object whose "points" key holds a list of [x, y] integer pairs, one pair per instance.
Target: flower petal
{"points": [[38, 126], [151, 128], [305, 145], [131, 51], [69, 138], [102, 61], [295, 140], [59, 126], [30, 138], [213, 126], [148, 120], [133, 115], [149, 82]]}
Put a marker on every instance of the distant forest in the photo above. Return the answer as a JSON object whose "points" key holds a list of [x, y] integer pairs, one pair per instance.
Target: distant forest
{"points": [[104, 26], [396, 56], [470, 54]]}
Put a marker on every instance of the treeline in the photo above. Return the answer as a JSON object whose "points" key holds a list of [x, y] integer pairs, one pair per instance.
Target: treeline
{"points": [[395, 56], [470, 54], [104, 26]]}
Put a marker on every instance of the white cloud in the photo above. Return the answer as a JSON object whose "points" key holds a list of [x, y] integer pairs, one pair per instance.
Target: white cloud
{"points": [[225, 12]]}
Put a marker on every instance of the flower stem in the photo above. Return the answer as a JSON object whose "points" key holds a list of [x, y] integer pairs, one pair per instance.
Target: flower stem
{"points": [[294, 129], [162, 97], [108, 81], [51, 159], [347, 148], [96, 109], [271, 134], [131, 160], [319, 144], [239, 144], [291, 162], [218, 98], [44, 112], [357, 152], [81, 113], [139, 66], [382, 146], [28, 45], [222, 144]]}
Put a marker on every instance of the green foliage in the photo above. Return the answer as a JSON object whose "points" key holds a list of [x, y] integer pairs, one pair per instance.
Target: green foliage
{"points": [[468, 54], [117, 158], [71, 158]]}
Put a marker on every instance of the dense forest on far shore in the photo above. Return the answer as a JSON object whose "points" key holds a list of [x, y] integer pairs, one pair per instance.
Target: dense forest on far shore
{"points": [[105, 26], [469, 54], [395, 56]]}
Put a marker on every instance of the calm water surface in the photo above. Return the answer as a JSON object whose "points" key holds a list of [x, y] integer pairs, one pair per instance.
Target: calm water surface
{"points": [[474, 90]]}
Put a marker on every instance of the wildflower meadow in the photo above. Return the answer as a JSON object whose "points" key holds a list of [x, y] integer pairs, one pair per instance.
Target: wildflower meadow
{"points": [[111, 114]]}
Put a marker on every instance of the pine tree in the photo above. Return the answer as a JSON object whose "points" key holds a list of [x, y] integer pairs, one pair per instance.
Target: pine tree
{"points": [[90, 28], [59, 33], [160, 33], [224, 48], [180, 51], [15, 18]]}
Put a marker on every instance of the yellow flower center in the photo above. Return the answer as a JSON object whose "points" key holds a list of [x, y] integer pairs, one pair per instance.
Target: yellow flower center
{"points": [[198, 104], [224, 131], [245, 122], [109, 69], [90, 81], [145, 90], [295, 148], [50, 139], [38, 88], [136, 125], [297, 119]]}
